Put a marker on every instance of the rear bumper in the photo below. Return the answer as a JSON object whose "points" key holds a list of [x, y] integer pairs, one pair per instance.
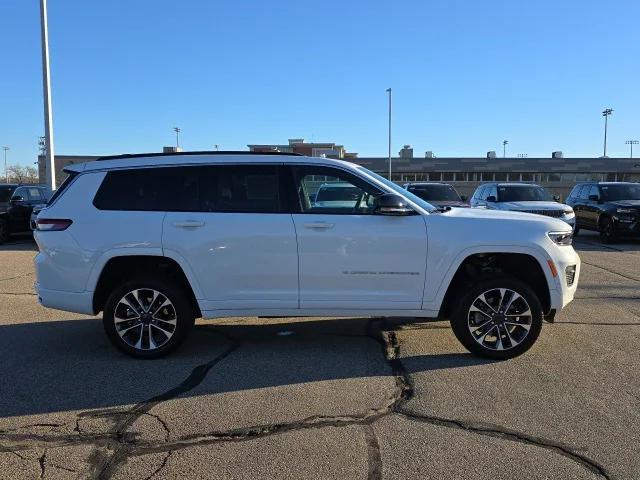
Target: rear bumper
{"points": [[68, 301]]}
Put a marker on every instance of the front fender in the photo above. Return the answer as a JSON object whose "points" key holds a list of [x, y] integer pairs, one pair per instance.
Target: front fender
{"points": [[434, 294]]}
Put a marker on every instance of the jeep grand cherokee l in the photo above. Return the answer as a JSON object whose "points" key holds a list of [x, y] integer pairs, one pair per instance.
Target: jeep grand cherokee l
{"points": [[611, 208], [154, 241], [521, 197]]}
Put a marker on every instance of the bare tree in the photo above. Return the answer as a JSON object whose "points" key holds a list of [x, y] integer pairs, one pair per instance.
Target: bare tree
{"points": [[22, 174]]}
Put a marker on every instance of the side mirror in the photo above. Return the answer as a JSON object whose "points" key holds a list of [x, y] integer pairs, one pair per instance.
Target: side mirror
{"points": [[392, 204], [556, 198], [594, 198], [492, 199], [17, 200], [464, 198]]}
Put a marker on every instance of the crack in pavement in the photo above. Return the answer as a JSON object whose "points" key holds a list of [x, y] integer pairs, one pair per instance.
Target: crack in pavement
{"points": [[17, 276], [374, 459], [124, 444]]}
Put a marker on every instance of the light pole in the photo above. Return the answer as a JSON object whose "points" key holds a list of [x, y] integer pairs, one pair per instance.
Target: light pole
{"points": [[6, 172], [605, 113], [631, 143], [504, 148], [50, 168], [177, 130], [389, 92]]}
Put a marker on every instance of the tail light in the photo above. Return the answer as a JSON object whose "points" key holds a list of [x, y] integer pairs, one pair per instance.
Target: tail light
{"points": [[52, 224]]}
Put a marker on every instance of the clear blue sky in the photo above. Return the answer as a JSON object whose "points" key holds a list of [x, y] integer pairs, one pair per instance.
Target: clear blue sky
{"points": [[465, 74]]}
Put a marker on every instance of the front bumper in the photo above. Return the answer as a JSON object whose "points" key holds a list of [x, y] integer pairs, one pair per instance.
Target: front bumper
{"points": [[567, 264], [627, 225]]}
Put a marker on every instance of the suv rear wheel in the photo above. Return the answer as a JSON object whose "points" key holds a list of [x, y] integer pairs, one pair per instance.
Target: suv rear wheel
{"points": [[498, 318], [147, 318]]}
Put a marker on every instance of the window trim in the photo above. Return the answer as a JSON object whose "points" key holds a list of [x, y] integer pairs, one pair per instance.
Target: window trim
{"points": [[283, 207], [296, 207]]}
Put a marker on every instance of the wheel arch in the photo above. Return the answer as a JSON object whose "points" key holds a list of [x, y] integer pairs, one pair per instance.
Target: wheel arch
{"points": [[119, 268], [526, 266]]}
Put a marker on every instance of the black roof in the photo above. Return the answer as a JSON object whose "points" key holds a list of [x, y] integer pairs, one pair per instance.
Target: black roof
{"points": [[203, 152]]}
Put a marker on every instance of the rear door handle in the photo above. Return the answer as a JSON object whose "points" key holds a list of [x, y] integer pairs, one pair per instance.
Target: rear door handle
{"points": [[319, 225], [188, 224]]}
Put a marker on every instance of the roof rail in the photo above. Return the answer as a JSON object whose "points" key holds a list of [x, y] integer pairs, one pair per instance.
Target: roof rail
{"points": [[204, 152]]}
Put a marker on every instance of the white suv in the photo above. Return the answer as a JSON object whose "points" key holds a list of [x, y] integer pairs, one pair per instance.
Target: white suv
{"points": [[155, 241]]}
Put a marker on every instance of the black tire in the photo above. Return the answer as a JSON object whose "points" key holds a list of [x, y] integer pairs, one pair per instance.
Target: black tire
{"points": [[4, 231], [460, 320], [180, 312], [607, 230]]}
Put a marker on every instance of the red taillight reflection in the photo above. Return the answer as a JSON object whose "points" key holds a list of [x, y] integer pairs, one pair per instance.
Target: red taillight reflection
{"points": [[52, 224]]}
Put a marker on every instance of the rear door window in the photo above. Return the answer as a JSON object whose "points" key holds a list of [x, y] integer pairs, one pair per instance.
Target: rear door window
{"points": [[207, 188]]}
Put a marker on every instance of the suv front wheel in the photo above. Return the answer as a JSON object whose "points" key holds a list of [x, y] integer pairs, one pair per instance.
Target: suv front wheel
{"points": [[147, 318], [498, 318]]}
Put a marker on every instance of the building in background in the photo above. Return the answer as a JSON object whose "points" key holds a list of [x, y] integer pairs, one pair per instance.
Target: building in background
{"points": [[313, 149], [555, 172]]}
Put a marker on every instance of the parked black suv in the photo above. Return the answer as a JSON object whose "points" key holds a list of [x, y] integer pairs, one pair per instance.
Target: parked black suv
{"points": [[16, 204], [437, 194], [611, 208]]}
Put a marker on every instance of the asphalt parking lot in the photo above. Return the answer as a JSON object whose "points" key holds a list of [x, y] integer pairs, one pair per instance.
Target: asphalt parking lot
{"points": [[324, 398]]}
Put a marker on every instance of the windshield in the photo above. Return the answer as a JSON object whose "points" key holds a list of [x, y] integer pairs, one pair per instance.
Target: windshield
{"points": [[523, 193], [437, 193], [399, 190], [629, 191], [5, 194], [338, 193]]}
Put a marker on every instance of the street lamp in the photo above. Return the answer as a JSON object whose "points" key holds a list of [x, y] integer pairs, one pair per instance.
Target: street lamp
{"points": [[522, 155], [504, 148], [389, 92], [6, 172], [177, 130], [605, 113], [631, 143]]}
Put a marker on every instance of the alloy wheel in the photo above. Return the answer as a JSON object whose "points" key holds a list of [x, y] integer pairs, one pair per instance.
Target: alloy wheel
{"points": [[145, 319], [499, 319]]}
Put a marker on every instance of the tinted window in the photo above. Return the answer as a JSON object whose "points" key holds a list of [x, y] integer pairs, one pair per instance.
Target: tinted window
{"points": [[20, 192], [523, 194], [630, 191], [219, 188], [33, 194], [435, 192], [6, 193], [593, 191], [239, 188]]}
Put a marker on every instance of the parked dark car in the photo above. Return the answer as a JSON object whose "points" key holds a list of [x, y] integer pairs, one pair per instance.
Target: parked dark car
{"points": [[437, 194], [611, 208], [17, 202]]}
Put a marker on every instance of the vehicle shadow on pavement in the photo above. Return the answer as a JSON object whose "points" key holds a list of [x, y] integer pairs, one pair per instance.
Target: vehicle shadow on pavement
{"points": [[22, 243], [69, 365]]}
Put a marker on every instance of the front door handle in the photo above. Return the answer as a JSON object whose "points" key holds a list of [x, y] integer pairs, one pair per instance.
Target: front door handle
{"points": [[319, 225], [188, 224]]}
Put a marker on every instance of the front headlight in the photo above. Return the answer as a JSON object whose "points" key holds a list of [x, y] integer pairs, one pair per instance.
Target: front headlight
{"points": [[561, 238], [624, 210], [568, 211]]}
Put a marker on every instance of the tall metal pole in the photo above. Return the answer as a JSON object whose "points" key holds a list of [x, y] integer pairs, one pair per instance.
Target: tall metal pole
{"points": [[50, 167], [605, 113], [177, 130], [389, 92], [6, 172], [631, 143], [504, 148]]}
